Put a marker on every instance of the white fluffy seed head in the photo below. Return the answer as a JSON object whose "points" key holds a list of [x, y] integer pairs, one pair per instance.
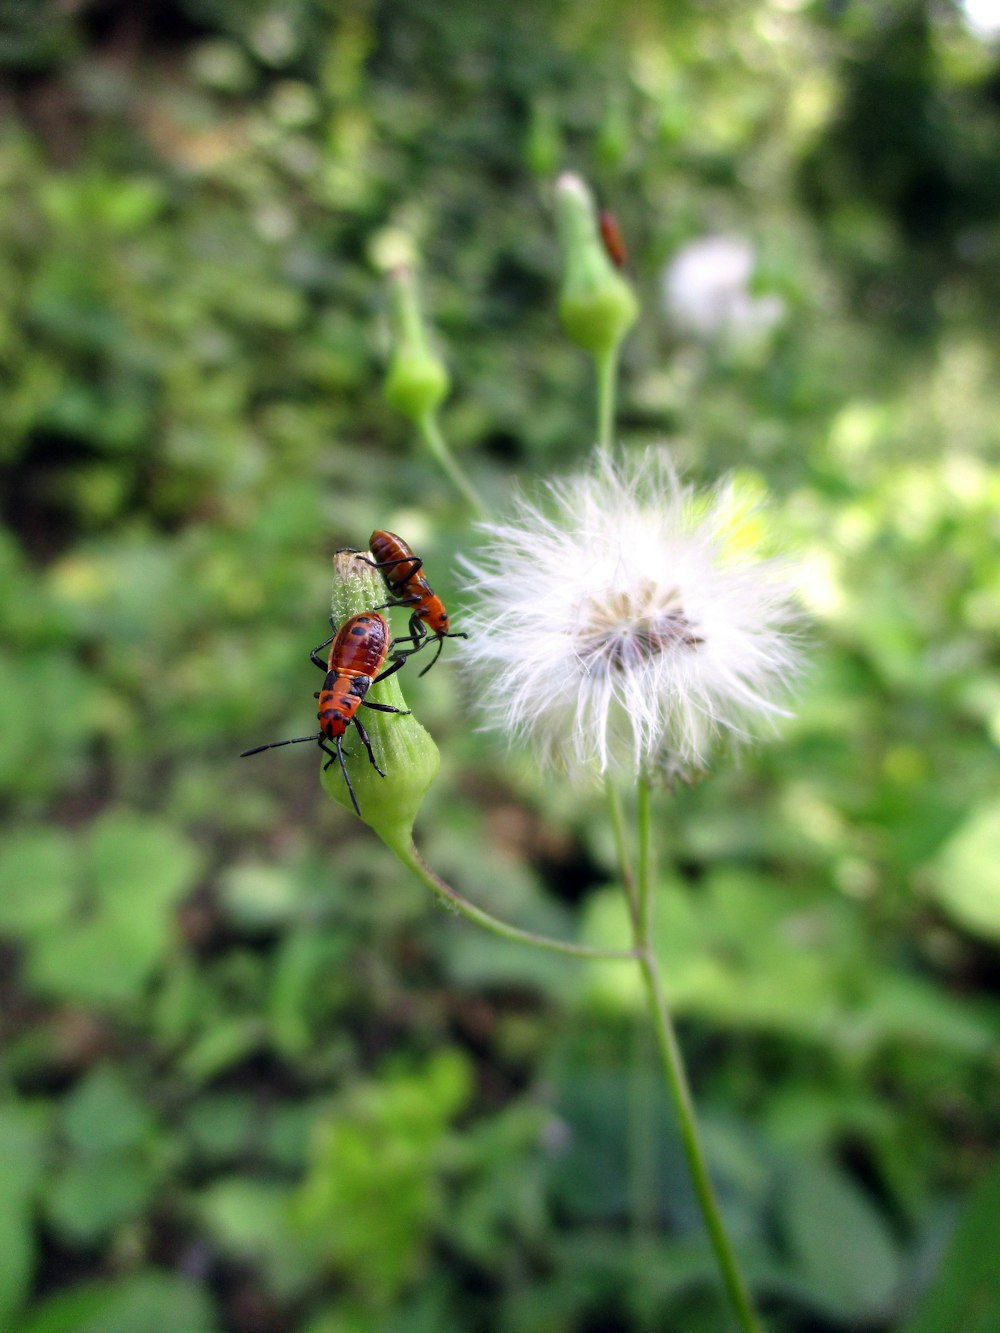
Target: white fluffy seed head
{"points": [[624, 621]]}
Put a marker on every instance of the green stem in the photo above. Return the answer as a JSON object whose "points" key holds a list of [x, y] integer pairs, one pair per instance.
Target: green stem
{"points": [[607, 380], [436, 443], [621, 848], [455, 902], [642, 1154], [677, 1082], [644, 889]]}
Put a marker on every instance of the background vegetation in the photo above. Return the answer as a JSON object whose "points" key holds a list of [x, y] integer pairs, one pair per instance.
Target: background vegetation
{"points": [[252, 1080]]}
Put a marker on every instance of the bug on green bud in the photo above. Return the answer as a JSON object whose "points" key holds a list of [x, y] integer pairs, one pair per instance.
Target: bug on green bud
{"points": [[597, 306], [403, 750]]}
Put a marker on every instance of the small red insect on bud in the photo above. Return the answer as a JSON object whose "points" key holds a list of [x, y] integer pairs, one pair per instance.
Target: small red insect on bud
{"points": [[401, 571], [611, 235]]}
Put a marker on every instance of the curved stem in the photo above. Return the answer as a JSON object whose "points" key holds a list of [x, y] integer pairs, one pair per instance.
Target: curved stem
{"points": [[455, 902], [607, 380], [436, 443], [677, 1082]]}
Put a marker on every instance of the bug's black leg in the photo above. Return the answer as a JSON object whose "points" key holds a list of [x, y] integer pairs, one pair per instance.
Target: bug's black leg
{"points": [[405, 638], [386, 708], [368, 745], [275, 745], [440, 645], [400, 601], [397, 662], [414, 566], [416, 636], [343, 769], [314, 654]]}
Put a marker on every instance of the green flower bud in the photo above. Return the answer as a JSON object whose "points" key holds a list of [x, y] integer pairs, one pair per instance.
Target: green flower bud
{"points": [[614, 134], [417, 382], [543, 146], [597, 306], [403, 749]]}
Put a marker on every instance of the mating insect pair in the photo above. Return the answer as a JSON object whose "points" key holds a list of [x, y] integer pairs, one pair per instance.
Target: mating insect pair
{"points": [[359, 649]]}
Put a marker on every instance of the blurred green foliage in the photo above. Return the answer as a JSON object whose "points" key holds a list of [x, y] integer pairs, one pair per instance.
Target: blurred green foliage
{"points": [[250, 1079]]}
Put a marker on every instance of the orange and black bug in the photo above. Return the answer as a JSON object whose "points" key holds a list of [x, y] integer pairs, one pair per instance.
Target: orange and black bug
{"points": [[400, 569], [354, 664], [611, 235]]}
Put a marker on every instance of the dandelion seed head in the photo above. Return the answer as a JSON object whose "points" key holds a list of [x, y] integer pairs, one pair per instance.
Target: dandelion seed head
{"points": [[625, 621]]}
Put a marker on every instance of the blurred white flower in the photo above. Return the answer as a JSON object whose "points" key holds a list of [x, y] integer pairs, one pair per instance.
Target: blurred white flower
{"points": [[706, 291], [982, 17], [626, 621]]}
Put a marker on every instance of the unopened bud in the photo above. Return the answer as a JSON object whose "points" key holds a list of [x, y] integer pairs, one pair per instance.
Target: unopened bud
{"points": [[543, 147], [402, 748], [597, 306], [417, 382]]}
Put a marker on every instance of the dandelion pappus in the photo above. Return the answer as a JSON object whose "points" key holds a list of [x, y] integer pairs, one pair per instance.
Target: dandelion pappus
{"points": [[401, 571], [611, 235], [354, 664]]}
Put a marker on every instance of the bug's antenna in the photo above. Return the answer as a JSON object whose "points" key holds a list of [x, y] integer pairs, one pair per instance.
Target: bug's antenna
{"points": [[276, 745]]}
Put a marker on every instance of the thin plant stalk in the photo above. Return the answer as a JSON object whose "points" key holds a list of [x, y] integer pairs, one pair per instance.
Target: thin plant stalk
{"points": [[457, 902], [639, 893], [607, 380], [621, 846], [676, 1077], [438, 446]]}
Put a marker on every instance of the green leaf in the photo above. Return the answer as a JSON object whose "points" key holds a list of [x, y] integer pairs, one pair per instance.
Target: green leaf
{"points": [[303, 960], [17, 1256], [24, 1128], [139, 867], [964, 875], [103, 962], [250, 1220], [373, 1193], [102, 1115], [91, 1195], [222, 1045], [221, 1126], [244, 1214], [147, 1302], [845, 1254], [37, 875], [133, 855], [966, 1294], [259, 897]]}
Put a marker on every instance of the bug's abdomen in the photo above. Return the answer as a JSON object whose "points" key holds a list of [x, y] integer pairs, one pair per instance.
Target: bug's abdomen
{"points": [[431, 611], [338, 702], [399, 566], [360, 646]]}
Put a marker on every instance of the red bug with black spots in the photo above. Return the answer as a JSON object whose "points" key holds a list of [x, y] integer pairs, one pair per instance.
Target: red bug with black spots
{"points": [[354, 664], [611, 235], [401, 570]]}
